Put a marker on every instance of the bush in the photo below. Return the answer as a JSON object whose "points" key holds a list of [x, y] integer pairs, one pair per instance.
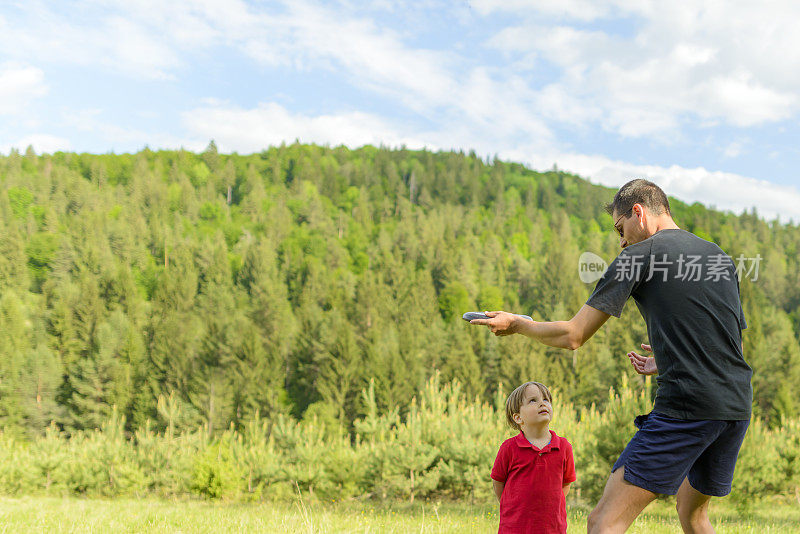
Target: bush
{"points": [[215, 473], [443, 447]]}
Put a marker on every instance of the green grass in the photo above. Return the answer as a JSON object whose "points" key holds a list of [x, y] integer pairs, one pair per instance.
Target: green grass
{"points": [[51, 514]]}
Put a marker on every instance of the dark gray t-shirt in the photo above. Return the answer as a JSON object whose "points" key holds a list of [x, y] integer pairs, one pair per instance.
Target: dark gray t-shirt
{"points": [[687, 291]]}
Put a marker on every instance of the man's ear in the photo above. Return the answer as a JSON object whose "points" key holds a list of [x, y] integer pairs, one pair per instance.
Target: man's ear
{"points": [[639, 210]]}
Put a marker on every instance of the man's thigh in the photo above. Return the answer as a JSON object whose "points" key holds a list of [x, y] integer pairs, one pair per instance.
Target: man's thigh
{"points": [[620, 504], [664, 449], [712, 473]]}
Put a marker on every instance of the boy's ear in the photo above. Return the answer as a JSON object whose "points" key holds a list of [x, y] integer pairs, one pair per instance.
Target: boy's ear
{"points": [[517, 418]]}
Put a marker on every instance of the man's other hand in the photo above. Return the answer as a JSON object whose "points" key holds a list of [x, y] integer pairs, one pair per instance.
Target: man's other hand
{"points": [[644, 365]]}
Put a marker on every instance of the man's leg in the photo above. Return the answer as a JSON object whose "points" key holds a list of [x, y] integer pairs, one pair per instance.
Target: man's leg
{"points": [[620, 504], [693, 510]]}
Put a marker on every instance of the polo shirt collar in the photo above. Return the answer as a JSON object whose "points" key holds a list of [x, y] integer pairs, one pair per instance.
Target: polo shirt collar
{"points": [[555, 442]]}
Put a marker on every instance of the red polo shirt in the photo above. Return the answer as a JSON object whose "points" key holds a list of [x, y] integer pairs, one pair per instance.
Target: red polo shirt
{"points": [[533, 500]]}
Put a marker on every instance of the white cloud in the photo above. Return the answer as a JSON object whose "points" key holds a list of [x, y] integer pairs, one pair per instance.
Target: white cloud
{"points": [[151, 39], [584, 10], [634, 121], [118, 138], [734, 149], [743, 101], [702, 61], [41, 143], [252, 130], [19, 84], [38, 31], [504, 109], [725, 191], [135, 49], [373, 56], [84, 120], [682, 63], [556, 103]]}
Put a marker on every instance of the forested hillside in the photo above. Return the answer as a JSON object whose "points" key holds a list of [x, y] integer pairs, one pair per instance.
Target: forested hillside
{"points": [[191, 288]]}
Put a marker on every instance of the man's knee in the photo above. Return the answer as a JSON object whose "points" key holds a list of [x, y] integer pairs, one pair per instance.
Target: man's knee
{"points": [[597, 520], [593, 522], [692, 506], [691, 514], [681, 509]]}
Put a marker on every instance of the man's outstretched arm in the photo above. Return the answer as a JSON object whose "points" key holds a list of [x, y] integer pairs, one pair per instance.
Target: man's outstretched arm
{"points": [[562, 334]]}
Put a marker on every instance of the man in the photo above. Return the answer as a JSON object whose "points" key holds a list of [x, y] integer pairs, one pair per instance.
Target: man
{"points": [[688, 294]]}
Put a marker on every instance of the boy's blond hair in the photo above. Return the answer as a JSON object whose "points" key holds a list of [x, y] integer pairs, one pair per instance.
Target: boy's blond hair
{"points": [[514, 401]]}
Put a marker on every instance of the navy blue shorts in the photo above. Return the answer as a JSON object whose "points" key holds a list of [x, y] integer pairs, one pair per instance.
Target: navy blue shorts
{"points": [[666, 450]]}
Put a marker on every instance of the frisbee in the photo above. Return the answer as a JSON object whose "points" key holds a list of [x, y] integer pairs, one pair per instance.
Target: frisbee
{"points": [[469, 316]]}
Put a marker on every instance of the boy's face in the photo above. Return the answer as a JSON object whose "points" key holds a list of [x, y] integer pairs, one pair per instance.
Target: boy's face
{"points": [[535, 409]]}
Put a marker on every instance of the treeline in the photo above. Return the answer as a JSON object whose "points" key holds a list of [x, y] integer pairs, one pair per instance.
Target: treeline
{"points": [[178, 289], [443, 449]]}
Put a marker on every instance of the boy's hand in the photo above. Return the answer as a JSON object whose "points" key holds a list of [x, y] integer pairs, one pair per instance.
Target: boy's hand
{"points": [[644, 365], [500, 323], [498, 488]]}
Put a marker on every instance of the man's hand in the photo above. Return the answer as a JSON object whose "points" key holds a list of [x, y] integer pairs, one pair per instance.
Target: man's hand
{"points": [[644, 365], [500, 323]]}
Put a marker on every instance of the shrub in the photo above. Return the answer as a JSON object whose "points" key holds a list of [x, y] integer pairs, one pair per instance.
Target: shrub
{"points": [[443, 447]]}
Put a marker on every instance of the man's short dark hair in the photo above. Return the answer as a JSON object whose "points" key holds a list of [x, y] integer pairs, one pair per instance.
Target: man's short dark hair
{"points": [[642, 192]]}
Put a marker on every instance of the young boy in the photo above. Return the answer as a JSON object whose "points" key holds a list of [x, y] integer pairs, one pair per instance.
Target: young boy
{"points": [[533, 470]]}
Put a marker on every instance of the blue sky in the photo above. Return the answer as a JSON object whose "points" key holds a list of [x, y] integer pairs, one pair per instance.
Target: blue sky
{"points": [[701, 97]]}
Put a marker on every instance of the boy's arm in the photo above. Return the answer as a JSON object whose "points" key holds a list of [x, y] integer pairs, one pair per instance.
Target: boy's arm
{"points": [[568, 476], [562, 334], [498, 488]]}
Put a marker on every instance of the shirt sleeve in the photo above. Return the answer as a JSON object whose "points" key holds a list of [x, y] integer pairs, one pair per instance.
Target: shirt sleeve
{"points": [[500, 468], [621, 279], [569, 466]]}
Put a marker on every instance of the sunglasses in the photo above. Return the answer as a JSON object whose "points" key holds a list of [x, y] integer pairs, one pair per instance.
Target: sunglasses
{"points": [[617, 228]]}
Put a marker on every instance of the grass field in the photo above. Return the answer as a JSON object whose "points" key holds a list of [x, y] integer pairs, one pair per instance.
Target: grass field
{"points": [[49, 514]]}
